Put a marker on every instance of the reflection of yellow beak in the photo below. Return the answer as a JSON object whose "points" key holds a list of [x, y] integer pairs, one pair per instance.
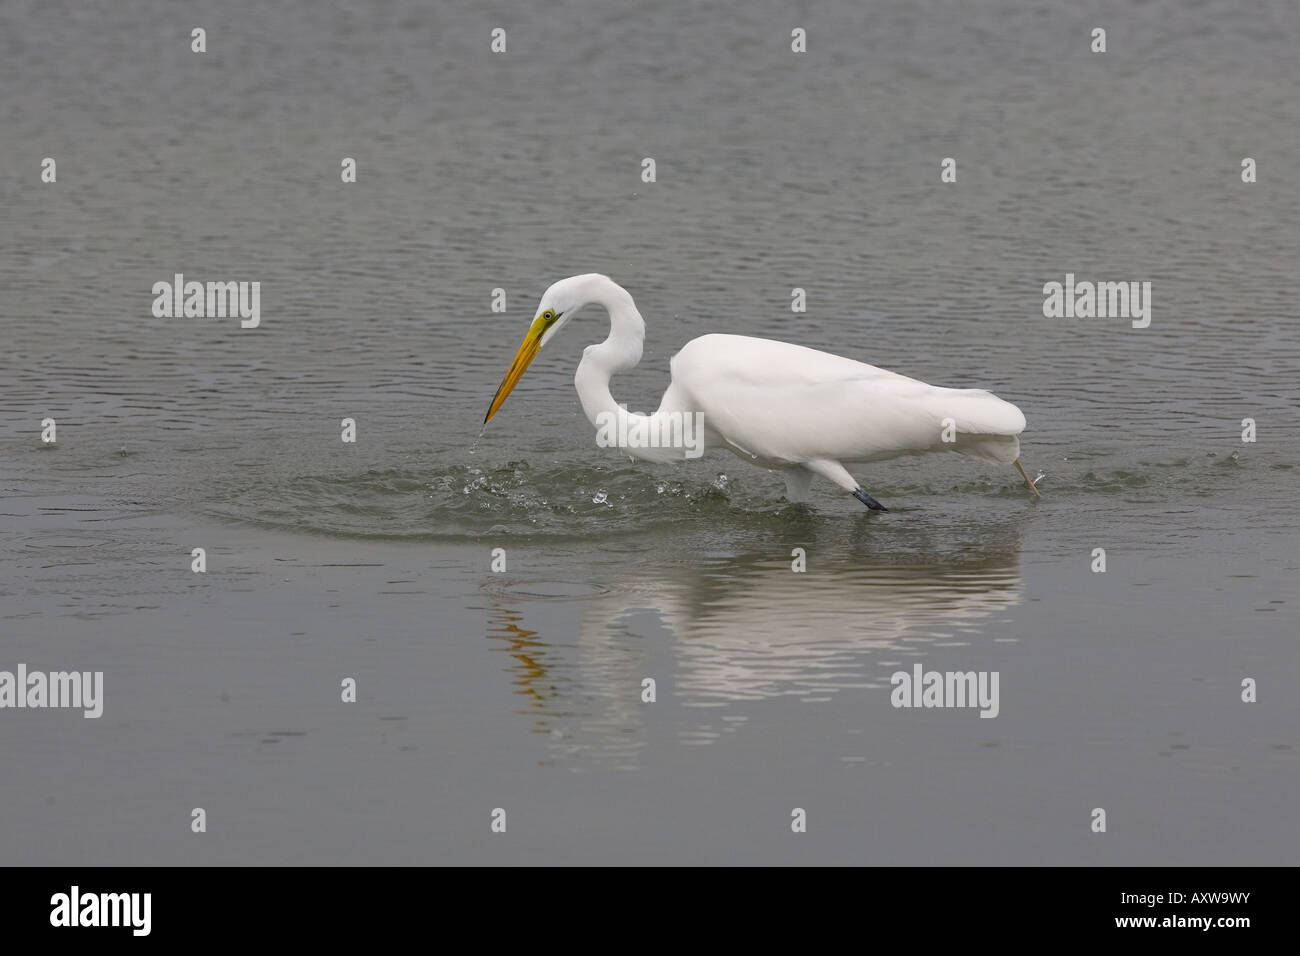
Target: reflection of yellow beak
{"points": [[523, 358]]}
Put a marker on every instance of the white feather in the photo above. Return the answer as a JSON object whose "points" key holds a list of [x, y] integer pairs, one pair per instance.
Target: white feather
{"points": [[787, 404]]}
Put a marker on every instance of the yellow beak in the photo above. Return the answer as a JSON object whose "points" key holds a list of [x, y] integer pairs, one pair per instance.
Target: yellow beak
{"points": [[523, 358]]}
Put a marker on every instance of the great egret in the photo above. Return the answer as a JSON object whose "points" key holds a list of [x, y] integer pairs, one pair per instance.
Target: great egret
{"points": [[781, 406]]}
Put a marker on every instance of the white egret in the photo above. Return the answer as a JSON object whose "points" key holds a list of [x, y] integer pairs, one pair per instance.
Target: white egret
{"points": [[781, 406]]}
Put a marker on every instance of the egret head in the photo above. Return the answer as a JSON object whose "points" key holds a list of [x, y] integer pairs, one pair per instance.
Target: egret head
{"points": [[559, 304]]}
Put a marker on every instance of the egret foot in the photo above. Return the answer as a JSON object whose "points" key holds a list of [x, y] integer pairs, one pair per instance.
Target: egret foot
{"points": [[1026, 477], [869, 501]]}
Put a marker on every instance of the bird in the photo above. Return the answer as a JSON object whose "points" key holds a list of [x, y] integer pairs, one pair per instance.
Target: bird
{"points": [[794, 410]]}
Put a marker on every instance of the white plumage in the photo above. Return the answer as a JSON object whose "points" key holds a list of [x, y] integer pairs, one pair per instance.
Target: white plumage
{"points": [[782, 406]]}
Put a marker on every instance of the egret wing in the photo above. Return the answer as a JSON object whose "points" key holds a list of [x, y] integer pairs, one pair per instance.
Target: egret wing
{"points": [[786, 403]]}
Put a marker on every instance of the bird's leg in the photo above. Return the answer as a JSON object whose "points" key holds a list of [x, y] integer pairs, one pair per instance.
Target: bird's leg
{"points": [[1026, 477], [834, 472], [867, 500], [797, 481]]}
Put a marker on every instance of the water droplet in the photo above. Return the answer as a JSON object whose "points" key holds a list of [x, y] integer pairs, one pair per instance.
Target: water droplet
{"points": [[600, 498]]}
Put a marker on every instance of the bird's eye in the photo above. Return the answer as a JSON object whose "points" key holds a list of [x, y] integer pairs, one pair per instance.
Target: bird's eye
{"points": [[548, 315]]}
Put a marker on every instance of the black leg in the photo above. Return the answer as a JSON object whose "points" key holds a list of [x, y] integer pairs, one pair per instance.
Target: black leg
{"points": [[869, 501]]}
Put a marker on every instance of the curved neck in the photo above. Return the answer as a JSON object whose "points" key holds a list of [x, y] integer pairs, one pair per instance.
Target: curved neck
{"points": [[620, 351]]}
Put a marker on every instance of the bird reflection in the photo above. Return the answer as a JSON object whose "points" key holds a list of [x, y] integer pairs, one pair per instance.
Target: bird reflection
{"points": [[527, 652], [724, 630]]}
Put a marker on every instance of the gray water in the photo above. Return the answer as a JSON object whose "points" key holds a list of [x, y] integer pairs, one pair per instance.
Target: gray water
{"points": [[521, 690]]}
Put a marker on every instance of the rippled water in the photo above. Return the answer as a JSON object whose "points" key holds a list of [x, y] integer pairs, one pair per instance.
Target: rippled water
{"points": [[775, 171]]}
